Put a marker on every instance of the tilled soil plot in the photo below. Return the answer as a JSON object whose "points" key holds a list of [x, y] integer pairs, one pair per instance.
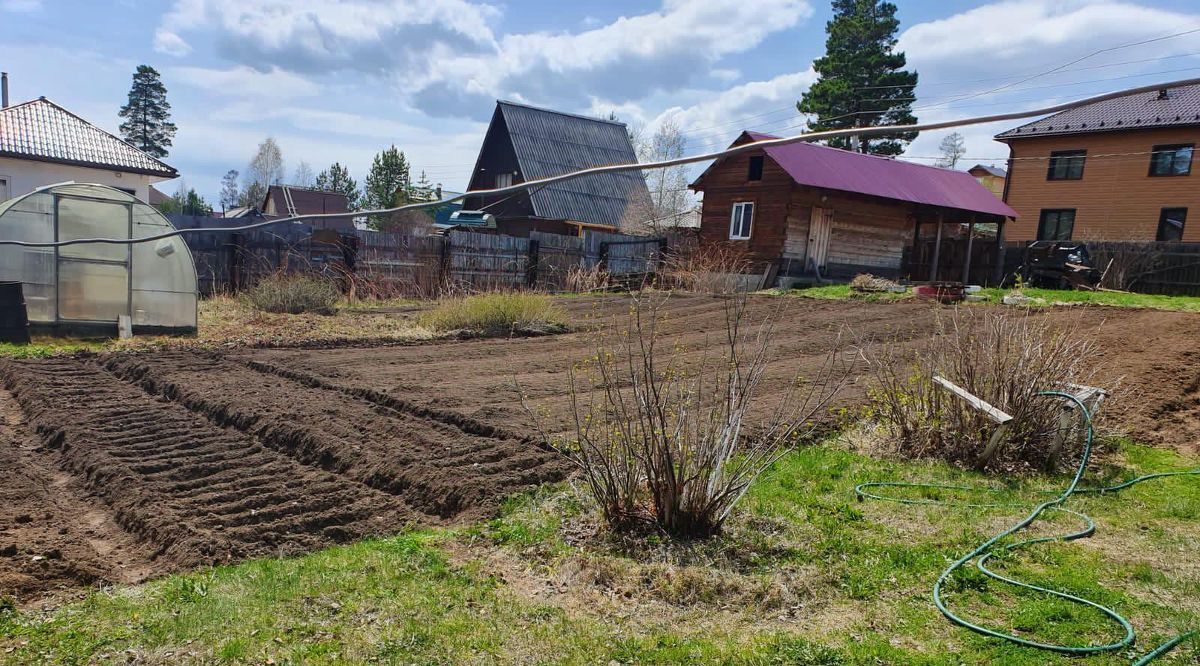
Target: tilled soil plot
{"points": [[1155, 354], [117, 468], [188, 459]]}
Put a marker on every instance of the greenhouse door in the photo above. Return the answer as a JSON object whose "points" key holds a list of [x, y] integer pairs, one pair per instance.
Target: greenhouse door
{"points": [[93, 279]]}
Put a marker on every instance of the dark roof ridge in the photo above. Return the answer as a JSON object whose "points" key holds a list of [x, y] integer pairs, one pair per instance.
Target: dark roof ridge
{"points": [[505, 102]]}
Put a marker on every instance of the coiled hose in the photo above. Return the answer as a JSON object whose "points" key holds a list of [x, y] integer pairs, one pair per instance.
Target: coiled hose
{"points": [[985, 550]]}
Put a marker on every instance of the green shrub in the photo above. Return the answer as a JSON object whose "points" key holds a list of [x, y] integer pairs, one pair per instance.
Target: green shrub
{"points": [[294, 294], [496, 314]]}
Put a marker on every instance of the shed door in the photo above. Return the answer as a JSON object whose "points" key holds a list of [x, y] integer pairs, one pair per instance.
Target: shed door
{"points": [[819, 228], [93, 279]]}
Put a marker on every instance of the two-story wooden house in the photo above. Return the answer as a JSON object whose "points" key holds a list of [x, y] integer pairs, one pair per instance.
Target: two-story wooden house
{"points": [[1116, 170]]}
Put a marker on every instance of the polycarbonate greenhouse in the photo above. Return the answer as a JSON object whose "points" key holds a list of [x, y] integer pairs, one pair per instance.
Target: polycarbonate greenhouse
{"points": [[88, 286]]}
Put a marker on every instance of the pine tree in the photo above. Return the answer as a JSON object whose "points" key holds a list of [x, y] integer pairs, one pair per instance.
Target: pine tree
{"points": [[389, 177], [862, 81], [230, 192], [337, 179], [147, 115]]}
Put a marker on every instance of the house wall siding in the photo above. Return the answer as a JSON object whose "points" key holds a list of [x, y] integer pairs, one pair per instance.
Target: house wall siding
{"points": [[25, 176], [1116, 199]]}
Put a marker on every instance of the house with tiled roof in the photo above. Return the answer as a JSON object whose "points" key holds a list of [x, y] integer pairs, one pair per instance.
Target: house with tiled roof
{"points": [[991, 177], [41, 143], [1121, 169]]}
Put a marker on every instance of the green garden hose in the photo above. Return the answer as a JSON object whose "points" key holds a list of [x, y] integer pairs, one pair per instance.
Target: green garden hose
{"points": [[985, 551]]}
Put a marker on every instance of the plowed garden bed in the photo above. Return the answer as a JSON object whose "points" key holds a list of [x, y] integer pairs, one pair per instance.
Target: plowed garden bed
{"points": [[120, 467]]}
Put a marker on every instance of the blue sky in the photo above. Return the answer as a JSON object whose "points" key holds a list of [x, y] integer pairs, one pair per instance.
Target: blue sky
{"points": [[338, 81]]}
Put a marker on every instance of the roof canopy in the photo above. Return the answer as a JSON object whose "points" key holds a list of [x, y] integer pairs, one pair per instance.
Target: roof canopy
{"points": [[830, 168], [1176, 107], [550, 143], [42, 130]]}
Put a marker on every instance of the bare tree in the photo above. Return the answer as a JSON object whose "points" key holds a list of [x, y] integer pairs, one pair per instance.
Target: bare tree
{"points": [[670, 199], [264, 170], [304, 176], [953, 148]]}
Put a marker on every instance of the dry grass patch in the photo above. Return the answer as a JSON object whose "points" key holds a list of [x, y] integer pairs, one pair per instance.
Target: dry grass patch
{"points": [[501, 313]]}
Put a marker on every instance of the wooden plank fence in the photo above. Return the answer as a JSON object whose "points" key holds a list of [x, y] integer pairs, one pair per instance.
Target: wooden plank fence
{"points": [[1140, 266], [396, 264]]}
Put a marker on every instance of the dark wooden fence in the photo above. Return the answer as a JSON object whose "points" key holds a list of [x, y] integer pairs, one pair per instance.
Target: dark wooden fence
{"points": [[423, 266], [918, 264], [1144, 267]]}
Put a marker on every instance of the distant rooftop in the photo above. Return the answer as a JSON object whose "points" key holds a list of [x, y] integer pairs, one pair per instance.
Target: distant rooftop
{"points": [[1177, 107], [42, 130], [995, 171]]}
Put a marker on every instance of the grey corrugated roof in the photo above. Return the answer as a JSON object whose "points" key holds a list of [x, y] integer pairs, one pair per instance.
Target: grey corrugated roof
{"points": [[995, 171], [1180, 107], [42, 130], [549, 143]]}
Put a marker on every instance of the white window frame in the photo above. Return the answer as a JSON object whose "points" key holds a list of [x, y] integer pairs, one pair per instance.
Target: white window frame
{"points": [[735, 221], [504, 180]]}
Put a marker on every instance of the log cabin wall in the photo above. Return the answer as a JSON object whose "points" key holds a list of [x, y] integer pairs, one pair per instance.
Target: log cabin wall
{"points": [[868, 235], [727, 183]]}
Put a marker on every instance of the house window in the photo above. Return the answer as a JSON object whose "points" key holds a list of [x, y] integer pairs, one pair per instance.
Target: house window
{"points": [[741, 221], [503, 180], [4, 188], [1171, 160], [1066, 165], [1170, 224], [1056, 224], [756, 167]]}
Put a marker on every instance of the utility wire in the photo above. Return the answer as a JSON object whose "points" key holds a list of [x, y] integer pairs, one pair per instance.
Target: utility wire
{"points": [[621, 168]]}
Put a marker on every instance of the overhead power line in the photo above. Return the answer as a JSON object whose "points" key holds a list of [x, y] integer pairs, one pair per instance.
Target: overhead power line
{"points": [[620, 168]]}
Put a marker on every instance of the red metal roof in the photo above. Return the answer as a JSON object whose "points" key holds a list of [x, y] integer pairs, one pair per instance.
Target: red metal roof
{"points": [[830, 168]]}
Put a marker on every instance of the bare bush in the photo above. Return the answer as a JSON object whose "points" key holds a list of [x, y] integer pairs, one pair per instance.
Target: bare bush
{"points": [[1123, 263], [1004, 358], [663, 433], [294, 293], [713, 268]]}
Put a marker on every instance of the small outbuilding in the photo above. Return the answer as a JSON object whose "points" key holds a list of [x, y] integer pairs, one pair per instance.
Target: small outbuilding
{"points": [[526, 143], [806, 210], [87, 287]]}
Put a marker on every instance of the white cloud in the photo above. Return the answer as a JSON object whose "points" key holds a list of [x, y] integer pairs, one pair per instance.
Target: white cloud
{"points": [[170, 43], [1001, 43], [763, 105], [1044, 29], [445, 56], [274, 84]]}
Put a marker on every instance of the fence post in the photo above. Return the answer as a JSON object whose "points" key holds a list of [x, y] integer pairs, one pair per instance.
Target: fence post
{"points": [[531, 263], [444, 262]]}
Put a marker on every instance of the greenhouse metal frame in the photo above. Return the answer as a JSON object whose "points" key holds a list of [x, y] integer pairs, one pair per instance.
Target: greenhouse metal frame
{"points": [[84, 288]]}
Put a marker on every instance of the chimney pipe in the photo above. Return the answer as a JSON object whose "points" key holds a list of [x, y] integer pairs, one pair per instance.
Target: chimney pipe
{"points": [[3, 90]]}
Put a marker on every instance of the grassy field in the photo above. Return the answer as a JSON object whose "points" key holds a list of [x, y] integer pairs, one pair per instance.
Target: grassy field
{"points": [[1049, 297], [804, 574]]}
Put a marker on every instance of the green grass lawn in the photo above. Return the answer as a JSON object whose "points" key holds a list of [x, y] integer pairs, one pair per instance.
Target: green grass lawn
{"points": [[1049, 296], [804, 574]]}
